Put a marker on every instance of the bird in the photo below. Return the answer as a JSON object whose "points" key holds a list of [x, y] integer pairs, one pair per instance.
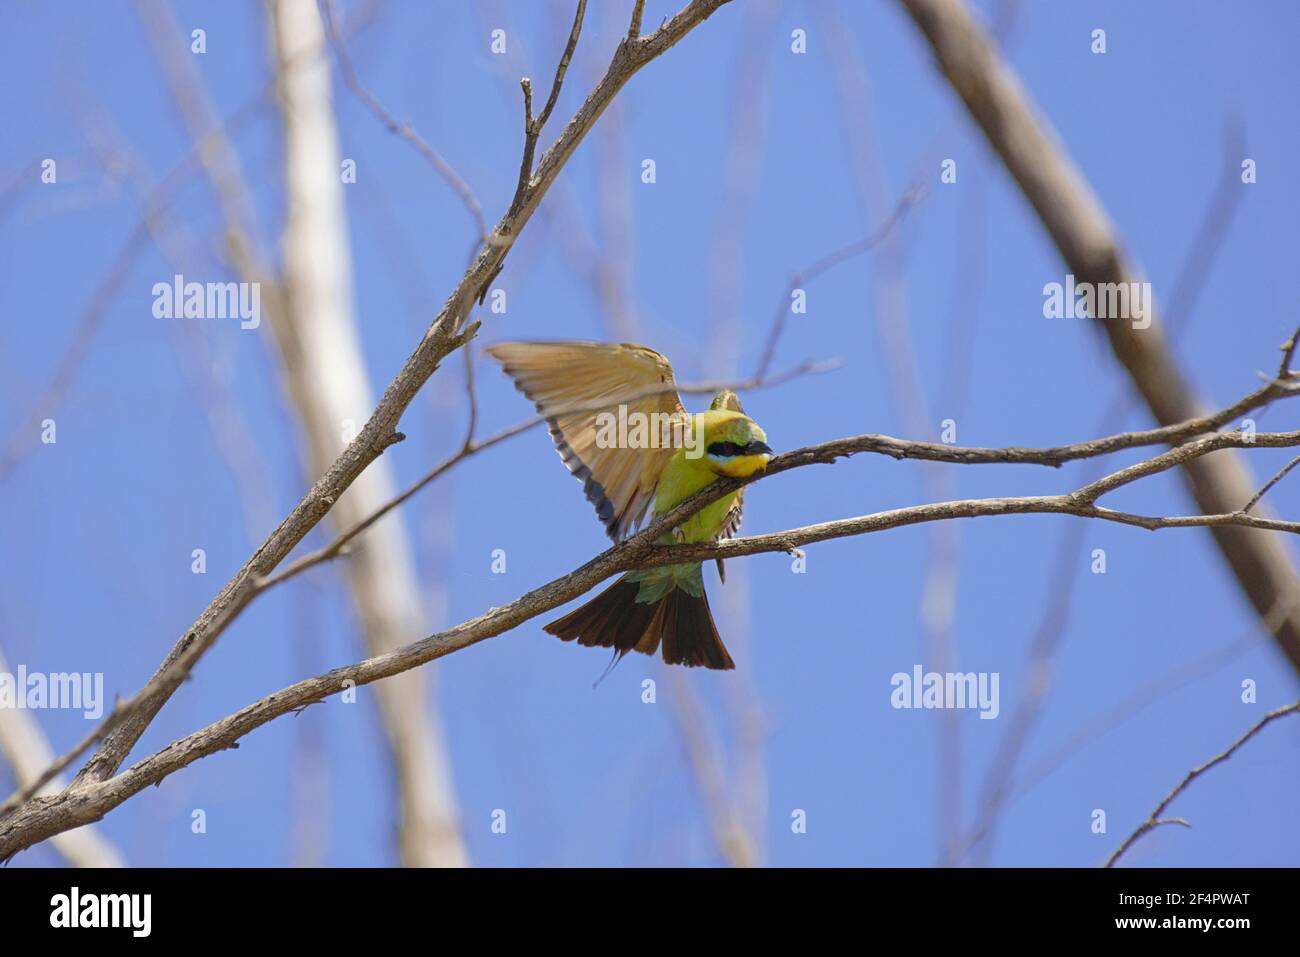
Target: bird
{"points": [[616, 419]]}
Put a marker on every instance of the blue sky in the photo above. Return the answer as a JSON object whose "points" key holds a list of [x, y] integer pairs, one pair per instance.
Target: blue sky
{"points": [[758, 174]]}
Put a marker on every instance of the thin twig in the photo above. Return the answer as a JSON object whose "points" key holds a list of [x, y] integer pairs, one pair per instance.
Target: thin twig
{"points": [[1154, 820], [533, 125], [634, 29], [563, 65], [1281, 474]]}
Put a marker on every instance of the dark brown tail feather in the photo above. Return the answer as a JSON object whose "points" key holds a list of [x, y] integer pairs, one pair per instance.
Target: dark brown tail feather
{"points": [[614, 619]]}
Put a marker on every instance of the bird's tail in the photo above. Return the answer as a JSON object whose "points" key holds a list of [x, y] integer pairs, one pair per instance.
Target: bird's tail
{"points": [[678, 621]]}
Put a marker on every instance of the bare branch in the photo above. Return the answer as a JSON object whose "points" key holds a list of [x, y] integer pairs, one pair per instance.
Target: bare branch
{"points": [[340, 547], [634, 29], [249, 583], [318, 335], [893, 329], [444, 336], [563, 65], [26, 749], [533, 126], [1154, 820], [1050, 632], [1089, 244], [1284, 373], [41, 818], [825, 453], [882, 444], [1281, 474]]}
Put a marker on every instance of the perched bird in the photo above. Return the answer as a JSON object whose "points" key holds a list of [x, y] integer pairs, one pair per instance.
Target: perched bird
{"points": [[620, 427]]}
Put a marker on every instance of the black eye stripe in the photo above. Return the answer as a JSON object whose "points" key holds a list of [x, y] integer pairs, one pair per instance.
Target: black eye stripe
{"points": [[729, 449]]}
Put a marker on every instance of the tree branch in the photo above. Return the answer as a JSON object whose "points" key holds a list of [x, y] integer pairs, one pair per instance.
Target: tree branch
{"points": [[1277, 477], [26, 749], [326, 383], [444, 336], [1154, 820], [826, 452], [40, 818], [533, 125], [1092, 249]]}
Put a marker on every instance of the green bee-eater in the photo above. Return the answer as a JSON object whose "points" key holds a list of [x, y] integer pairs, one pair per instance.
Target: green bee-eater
{"points": [[618, 423]]}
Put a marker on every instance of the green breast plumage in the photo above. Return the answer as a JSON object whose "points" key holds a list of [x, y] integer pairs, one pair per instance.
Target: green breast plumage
{"points": [[683, 477]]}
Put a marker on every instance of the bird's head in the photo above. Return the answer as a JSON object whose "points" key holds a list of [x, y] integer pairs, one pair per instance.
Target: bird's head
{"points": [[734, 445]]}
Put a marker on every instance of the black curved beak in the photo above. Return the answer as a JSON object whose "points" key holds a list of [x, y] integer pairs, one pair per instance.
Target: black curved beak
{"points": [[757, 448]]}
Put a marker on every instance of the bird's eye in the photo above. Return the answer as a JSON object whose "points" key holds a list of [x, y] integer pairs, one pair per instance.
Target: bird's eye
{"points": [[723, 449]]}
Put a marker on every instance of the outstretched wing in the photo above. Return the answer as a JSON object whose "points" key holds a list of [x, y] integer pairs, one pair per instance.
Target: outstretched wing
{"points": [[571, 383], [726, 399]]}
